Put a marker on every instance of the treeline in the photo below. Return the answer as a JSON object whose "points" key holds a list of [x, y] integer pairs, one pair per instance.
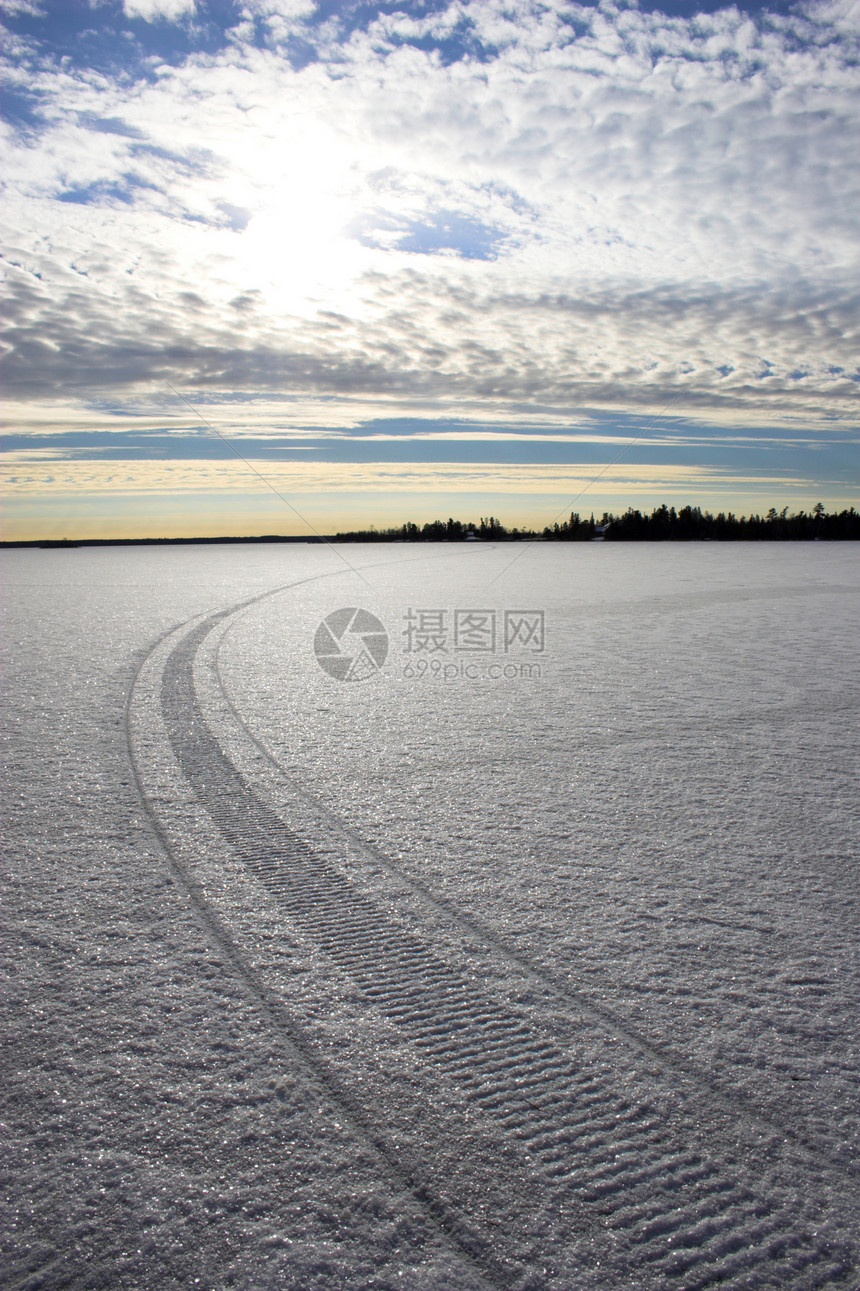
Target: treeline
{"points": [[50, 543], [692, 523], [664, 524], [439, 531]]}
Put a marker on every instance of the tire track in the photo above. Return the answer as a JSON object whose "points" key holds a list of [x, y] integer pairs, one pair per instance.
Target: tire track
{"points": [[581, 995], [612, 1165], [296, 1041]]}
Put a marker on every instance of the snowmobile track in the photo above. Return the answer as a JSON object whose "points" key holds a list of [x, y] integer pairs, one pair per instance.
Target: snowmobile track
{"points": [[575, 1170]]}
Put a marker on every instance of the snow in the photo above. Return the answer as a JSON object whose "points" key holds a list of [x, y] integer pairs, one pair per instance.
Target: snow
{"points": [[545, 980]]}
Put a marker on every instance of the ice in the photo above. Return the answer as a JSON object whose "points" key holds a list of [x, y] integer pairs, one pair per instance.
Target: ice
{"points": [[539, 981]]}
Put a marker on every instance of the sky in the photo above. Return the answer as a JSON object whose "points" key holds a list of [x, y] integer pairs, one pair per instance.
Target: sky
{"points": [[280, 267]]}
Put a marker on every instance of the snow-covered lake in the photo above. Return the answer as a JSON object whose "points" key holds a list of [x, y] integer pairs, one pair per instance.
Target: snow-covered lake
{"points": [[509, 943]]}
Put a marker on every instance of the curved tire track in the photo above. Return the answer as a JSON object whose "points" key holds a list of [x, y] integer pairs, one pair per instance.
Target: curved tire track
{"points": [[584, 997], [572, 1166]]}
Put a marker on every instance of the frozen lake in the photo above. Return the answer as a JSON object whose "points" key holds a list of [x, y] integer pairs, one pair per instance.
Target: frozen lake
{"points": [[498, 932]]}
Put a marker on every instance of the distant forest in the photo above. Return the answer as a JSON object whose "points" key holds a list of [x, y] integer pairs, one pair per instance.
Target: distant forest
{"points": [[664, 524]]}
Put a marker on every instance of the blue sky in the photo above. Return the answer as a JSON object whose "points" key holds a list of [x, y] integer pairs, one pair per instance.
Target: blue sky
{"points": [[424, 259]]}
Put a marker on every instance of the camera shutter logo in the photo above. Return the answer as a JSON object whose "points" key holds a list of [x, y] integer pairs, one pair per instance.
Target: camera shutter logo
{"points": [[351, 644]]}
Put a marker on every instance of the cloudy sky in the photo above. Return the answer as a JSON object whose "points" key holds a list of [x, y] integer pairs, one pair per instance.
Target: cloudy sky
{"points": [[409, 260]]}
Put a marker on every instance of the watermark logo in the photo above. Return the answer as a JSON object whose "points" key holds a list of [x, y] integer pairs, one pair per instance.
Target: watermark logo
{"points": [[460, 632], [525, 630], [351, 644], [466, 645], [437, 644]]}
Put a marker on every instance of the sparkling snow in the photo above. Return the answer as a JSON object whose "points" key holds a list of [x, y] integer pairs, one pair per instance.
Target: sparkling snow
{"points": [[538, 970]]}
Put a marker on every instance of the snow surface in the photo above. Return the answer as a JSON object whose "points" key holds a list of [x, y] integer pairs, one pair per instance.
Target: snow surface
{"points": [[524, 981]]}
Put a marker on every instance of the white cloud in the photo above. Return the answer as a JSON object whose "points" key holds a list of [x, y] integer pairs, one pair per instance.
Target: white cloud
{"points": [[289, 9], [664, 201], [12, 7], [154, 10], [23, 476]]}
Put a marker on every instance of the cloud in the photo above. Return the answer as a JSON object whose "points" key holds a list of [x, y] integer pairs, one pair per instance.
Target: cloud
{"points": [[32, 476], [615, 346], [14, 7], [507, 210], [158, 10]]}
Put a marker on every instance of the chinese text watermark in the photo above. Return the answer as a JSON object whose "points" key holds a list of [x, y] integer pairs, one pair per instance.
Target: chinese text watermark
{"points": [[444, 644]]}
